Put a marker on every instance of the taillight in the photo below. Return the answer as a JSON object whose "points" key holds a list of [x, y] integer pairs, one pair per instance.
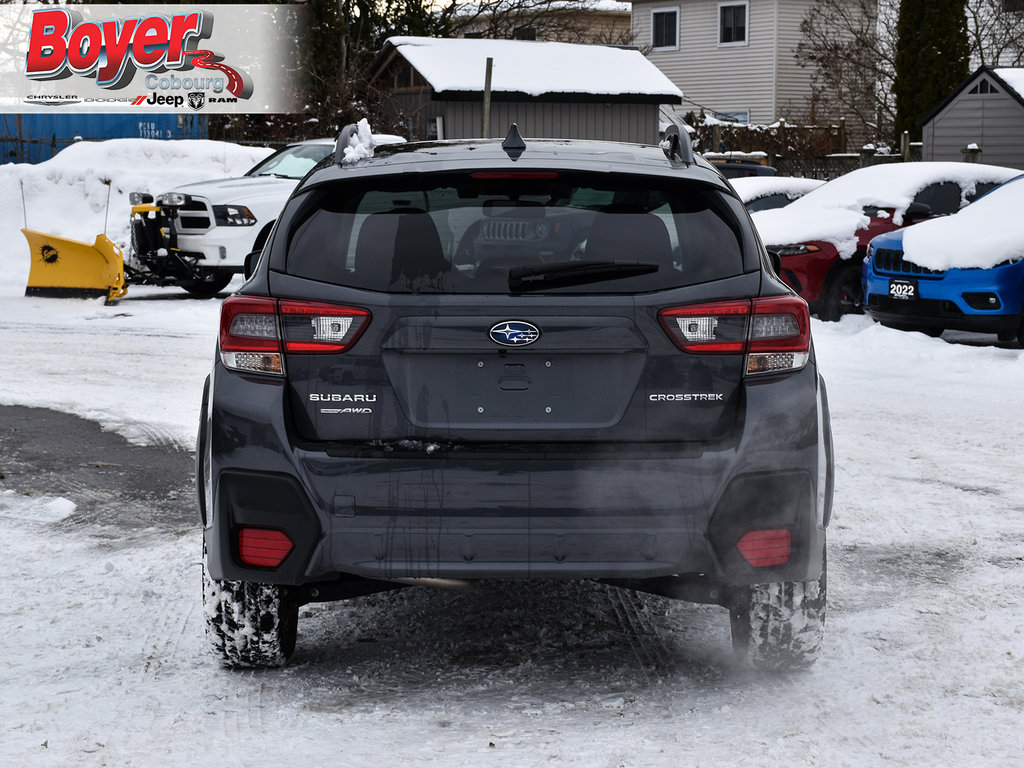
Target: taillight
{"points": [[249, 335], [774, 333], [255, 332], [263, 547], [312, 327], [780, 335]]}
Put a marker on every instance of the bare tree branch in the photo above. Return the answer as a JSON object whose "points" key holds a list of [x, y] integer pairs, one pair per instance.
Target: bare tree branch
{"points": [[850, 46]]}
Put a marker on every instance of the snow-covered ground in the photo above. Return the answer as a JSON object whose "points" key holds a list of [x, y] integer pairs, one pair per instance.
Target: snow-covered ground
{"points": [[105, 661]]}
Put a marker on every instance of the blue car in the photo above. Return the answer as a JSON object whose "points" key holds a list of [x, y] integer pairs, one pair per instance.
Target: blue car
{"points": [[961, 272]]}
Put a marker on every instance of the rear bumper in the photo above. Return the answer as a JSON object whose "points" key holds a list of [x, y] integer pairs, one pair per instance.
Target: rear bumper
{"points": [[418, 511]]}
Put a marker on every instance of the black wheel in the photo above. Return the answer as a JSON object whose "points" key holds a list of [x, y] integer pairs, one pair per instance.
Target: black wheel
{"points": [[1020, 332], [844, 294], [781, 625], [210, 284], [249, 625]]}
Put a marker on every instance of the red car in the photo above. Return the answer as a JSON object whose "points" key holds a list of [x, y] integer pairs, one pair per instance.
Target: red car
{"points": [[822, 238]]}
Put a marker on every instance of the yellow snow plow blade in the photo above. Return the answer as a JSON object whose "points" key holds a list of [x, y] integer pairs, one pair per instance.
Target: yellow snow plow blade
{"points": [[63, 267]]}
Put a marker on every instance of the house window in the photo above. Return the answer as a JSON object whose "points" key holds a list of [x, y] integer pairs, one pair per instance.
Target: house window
{"points": [[732, 24], [664, 28], [734, 116], [984, 87], [1013, 6]]}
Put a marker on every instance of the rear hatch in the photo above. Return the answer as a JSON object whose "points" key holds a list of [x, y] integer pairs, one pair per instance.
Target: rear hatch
{"points": [[555, 307]]}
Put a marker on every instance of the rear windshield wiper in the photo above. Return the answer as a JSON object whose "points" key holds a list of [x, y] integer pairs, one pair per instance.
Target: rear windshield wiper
{"points": [[538, 277]]}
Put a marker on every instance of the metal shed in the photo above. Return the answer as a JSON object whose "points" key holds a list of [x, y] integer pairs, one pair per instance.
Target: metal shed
{"points": [[986, 110], [558, 90], [33, 138]]}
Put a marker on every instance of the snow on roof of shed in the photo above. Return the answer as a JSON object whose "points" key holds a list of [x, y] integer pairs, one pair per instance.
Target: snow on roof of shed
{"points": [[1013, 77], [536, 68]]}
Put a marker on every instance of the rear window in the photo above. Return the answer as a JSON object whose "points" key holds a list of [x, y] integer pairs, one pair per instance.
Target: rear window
{"points": [[466, 233]]}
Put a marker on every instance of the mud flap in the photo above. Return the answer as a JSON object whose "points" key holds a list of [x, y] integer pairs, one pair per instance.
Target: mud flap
{"points": [[70, 268]]}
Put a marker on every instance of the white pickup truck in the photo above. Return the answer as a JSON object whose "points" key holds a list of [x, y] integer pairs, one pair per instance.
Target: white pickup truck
{"points": [[198, 235]]}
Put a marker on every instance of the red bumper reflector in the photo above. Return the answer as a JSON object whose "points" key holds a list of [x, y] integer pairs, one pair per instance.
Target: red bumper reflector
{"points": [[763, 549], [262, 547]]}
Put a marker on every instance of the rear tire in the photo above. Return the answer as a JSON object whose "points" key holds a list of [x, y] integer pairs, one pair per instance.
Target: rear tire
{"points": [[781, 625], [844, 294], [210, 284], [249, 625]]}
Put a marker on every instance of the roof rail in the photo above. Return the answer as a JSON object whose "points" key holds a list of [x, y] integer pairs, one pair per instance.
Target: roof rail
{"points": [[347, 133], [676, 145]]}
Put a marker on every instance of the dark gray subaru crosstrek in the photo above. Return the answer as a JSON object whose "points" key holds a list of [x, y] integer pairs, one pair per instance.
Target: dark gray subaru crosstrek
{"points": [[540, 359]]}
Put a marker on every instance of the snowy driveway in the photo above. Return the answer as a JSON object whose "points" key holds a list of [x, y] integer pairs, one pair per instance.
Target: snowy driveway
{"points": [[105, 661]]}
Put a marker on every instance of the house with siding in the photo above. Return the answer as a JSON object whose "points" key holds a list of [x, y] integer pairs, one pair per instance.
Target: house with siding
{"points": [[602, 22], [549, 89], [736, 59], [986, 110]]}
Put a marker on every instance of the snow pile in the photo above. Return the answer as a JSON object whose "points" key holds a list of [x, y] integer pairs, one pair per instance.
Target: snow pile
{"points": [[14, 506], [68, 194], [533, 68], [752, 187], [360, 144], [834, 212], [983, 234]]}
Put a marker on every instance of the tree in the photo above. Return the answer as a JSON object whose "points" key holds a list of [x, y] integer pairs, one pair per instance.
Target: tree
{"points": [[567, 21], [850, 48], [932, 59]]}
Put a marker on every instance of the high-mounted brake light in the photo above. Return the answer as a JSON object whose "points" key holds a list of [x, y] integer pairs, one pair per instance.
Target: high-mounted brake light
{"points": [[255, 332], [491, 175], [773, 333]]}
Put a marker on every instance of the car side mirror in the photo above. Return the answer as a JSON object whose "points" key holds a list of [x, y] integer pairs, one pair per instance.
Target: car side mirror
{"points": [[917, 211], [776, 262], [252, 260]]}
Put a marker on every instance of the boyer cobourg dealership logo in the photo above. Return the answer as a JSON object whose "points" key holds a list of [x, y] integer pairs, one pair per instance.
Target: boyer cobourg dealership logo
{"points": [[113, 51]]}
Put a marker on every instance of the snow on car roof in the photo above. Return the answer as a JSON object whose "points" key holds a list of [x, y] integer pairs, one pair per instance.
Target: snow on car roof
{"points": [[985, 233], [533, 68], [834, 211], [751, 187]]}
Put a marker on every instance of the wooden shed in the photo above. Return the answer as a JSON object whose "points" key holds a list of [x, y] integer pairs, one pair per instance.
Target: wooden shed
{"points": [[558, 90], [986, 111]]}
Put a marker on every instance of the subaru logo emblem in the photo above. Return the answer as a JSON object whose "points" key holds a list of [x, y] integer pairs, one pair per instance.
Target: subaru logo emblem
{"points": [[514, 333]]}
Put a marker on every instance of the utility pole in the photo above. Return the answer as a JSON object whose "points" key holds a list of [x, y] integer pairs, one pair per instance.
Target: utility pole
{"points": [[485, 122]]}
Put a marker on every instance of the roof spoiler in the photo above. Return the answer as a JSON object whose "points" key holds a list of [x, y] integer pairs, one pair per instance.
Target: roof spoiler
{"points": [[676, 145], [341, 142]]}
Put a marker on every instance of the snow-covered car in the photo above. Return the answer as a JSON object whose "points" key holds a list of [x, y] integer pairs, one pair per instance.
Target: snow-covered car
{"points": [[198, 235], [822, 238], [737, 168], [763, 193], [962, 272], [397, 400]]}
